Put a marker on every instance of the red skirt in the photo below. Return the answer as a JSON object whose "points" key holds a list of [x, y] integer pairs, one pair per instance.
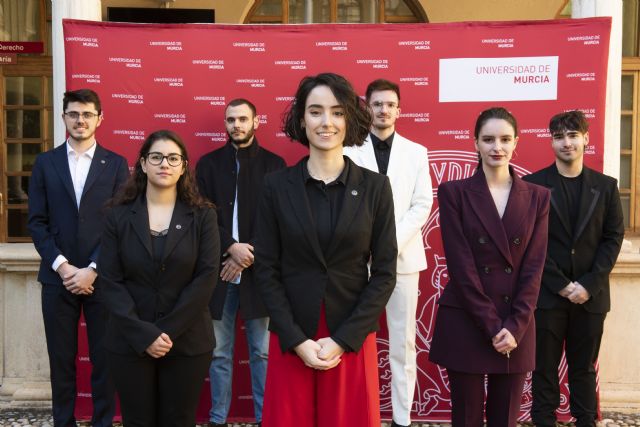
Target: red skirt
{"points": [[299, 396]]}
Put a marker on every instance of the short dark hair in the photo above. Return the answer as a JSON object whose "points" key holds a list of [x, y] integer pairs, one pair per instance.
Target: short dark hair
{"points": [[357, 116], [241, 101], [136, 185], [83, 96], [495, 113], [380, 85], [569, 121]]}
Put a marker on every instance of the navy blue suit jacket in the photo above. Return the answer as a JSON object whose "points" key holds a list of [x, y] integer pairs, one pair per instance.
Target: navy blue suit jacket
{"points": [[56, 224]]}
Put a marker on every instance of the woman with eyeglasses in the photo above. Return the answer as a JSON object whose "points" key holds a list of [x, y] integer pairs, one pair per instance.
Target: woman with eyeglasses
{"points": [[158, 266]]}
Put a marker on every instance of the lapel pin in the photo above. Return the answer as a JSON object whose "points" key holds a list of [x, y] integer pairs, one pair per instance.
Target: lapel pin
{"points": [[354, 192], [178, 226], [102, 161]]}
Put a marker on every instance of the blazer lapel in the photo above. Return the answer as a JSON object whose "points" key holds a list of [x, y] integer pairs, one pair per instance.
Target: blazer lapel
{"points": [[300, 206], [61, 164], [558, 202], [98, 164], [588, 200], [181, 221], [368, 156], [519, 201], [353, 195], [483, 206], [140, 223]]}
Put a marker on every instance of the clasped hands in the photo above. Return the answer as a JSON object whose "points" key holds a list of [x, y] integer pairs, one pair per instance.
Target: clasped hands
{"points": [[78, 281], [322, 354], [240, 256], [575, 292], [504, 342], [160, 346]]}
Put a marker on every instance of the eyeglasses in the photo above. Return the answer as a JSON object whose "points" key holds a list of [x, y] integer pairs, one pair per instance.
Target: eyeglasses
{"points": [[173, 159], [378, 105], [86, 115]]}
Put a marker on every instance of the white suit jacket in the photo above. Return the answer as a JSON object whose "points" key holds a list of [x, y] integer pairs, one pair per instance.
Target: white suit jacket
{"points": [[408, 172]]}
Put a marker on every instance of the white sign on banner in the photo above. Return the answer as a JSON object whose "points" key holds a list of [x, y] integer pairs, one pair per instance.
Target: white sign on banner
{"points": [[499, 79]]}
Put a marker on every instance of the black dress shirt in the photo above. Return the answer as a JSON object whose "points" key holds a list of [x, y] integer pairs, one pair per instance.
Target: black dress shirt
{"points": [[382, 150], [325, 203]]}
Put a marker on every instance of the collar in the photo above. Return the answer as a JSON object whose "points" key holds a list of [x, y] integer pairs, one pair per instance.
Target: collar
{"points": [[382, 144], [341, 179], [245, 152], [90, 152]]}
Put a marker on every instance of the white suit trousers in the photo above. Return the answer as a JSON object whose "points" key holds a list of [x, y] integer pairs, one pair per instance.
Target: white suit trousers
{"points": [[401, 322]]}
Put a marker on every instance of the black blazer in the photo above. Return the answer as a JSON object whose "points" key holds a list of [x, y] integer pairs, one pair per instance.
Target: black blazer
{"points": [[588, 256], [56, 224], [296, 278], [216, 175], [145, 298]]}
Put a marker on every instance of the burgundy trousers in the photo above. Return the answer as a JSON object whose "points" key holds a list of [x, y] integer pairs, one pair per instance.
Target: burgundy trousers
{"points": [[504, 394]]}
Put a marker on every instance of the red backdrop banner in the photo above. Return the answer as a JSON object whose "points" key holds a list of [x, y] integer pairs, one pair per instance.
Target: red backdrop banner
{"points": [[180, 77]]}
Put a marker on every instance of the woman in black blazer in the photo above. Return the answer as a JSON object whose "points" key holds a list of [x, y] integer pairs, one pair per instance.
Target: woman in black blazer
{"points": [[321, 223], [158, 266]]}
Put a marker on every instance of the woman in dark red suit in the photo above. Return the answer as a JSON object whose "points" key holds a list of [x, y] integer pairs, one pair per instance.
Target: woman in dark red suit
{"points": [[494, 231], [320, 224]]}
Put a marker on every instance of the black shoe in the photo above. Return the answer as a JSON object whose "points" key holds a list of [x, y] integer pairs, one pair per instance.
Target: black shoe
{"points": [[217, 425], [394, 424]]}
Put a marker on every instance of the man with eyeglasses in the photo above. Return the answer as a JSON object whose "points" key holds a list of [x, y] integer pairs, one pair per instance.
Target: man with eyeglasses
{"points": [[68, 189], [231, 177], [407, 166]]}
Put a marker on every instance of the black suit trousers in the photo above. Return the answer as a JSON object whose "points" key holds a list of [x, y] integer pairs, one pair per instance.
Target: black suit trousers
{"points": [[161, 392], [579, 332], [61, 312]]}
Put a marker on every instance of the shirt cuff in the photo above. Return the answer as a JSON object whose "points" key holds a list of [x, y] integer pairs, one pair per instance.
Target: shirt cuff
{"points": [[94, 266], [60, 259]]}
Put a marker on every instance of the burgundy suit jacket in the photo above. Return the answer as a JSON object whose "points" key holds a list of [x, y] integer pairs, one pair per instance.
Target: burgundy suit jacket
{"points": [[495, 266]]}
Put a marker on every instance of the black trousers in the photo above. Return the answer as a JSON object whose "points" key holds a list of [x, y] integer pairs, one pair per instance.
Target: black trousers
{"points": [[504, 395], [61, 313], [160, 392], [578, 332]]}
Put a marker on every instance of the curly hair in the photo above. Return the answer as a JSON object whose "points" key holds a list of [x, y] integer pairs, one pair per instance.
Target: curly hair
{"points": [[357, 115], [136, 185]]}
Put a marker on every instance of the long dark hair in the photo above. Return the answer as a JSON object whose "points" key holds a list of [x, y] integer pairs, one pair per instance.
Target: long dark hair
{"points": [[136, 185], [357, 115]]}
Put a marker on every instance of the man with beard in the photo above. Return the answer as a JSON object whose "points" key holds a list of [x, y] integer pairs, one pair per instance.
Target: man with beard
{"points": [[586, 229], [231, 177], [68, 189], [407, 166]]}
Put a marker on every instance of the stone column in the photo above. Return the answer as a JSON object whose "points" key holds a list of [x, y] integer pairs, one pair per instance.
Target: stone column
{"points": [[612, 8], [61, 9]]}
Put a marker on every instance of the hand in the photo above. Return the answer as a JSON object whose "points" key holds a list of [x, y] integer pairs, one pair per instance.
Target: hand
{"points": [[160, 346], [330, 350], [78, 281], [242, 254], [579, 295], [308, 352], [566, 291], [504, 342], [230, 270]]}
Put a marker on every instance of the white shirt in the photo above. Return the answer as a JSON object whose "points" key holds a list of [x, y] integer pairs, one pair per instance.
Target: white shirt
{"points": [[79, 164]]}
